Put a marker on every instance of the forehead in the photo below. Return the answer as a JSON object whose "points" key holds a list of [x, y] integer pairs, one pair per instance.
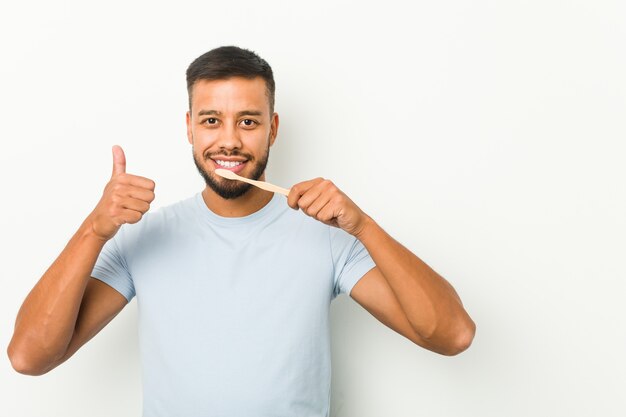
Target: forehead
{"points": [[233, 94]]}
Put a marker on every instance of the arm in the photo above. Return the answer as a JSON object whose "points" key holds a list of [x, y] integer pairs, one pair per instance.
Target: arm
{"points": [[401, 291], [430, 304], [66, 307]]}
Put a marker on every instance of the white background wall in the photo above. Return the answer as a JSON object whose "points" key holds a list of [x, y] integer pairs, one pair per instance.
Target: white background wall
{"points": [[487, 136]]}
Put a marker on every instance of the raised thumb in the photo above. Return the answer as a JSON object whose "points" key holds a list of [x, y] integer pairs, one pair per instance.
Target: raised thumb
{"points": [[119, 161]]}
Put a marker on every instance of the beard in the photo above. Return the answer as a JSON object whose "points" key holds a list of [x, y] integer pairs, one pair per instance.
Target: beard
{"points": [[230, 189]]}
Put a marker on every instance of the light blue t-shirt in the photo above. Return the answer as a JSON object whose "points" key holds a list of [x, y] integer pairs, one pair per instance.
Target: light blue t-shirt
{"points": [[233, 312]]}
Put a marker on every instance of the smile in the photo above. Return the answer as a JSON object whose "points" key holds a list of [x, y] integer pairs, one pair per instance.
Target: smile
{"points": [[227, 164]]}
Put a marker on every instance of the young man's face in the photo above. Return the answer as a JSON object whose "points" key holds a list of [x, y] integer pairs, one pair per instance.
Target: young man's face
{"points": [[230, 127]]}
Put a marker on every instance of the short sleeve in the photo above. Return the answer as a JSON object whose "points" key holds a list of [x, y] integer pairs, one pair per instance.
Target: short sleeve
{"points": [[350, 261], [111, 267]]}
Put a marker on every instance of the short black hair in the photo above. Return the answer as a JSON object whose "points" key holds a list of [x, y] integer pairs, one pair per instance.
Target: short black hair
{"points": [[231, 61]]}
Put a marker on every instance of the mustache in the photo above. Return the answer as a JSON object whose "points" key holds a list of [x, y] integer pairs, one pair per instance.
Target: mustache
{"points": [[235, 152]]}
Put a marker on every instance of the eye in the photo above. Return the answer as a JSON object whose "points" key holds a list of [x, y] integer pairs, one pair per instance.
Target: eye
{"points": [[248, 123], [210, 121]]}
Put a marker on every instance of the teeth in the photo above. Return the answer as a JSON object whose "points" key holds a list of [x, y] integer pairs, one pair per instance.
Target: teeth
{"points": [[227, 164]]}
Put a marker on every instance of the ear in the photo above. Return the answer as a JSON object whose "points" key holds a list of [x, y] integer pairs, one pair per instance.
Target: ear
{"points": [[189, 133], [274, 128]]}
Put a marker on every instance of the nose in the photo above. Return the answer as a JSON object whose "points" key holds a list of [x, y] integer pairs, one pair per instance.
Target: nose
{"points": [[229, 138]]}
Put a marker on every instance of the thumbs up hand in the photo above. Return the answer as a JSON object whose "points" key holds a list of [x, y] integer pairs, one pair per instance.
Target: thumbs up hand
{"points": [[126, 198]]}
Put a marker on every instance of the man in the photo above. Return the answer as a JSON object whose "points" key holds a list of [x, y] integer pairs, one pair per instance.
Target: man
{"points": [[233, 286]]}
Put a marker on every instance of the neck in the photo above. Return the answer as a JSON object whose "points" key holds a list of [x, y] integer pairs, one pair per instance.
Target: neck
{"points": [[252, 201]]}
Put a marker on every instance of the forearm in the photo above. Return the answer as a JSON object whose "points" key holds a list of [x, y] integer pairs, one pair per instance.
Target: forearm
{"points": [[45, 323], [430, 303]]}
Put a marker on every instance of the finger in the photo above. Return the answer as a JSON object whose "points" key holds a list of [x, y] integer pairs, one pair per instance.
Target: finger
{"points": [[136, 205], [141, 193], [318, 204], [137, 181], [317, 196], [130, 216], [120, 190], [298, 190], [328, 215], [119, 160], [310, 196], [325, 190]]}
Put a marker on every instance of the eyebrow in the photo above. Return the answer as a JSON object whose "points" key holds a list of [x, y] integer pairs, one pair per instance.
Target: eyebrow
{"points": [[239, 114]]}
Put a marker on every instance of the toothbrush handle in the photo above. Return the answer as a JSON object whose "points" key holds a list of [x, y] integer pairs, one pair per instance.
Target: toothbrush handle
{"points": [[269, 187]]}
